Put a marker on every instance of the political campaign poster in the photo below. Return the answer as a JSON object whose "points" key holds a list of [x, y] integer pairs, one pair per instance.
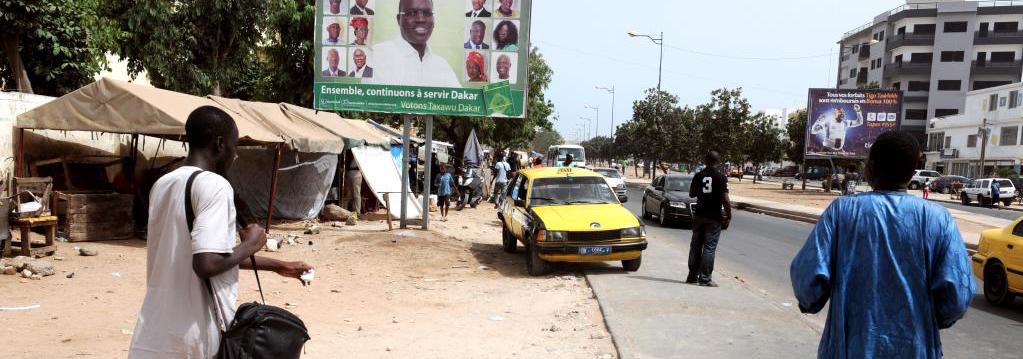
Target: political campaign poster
{"points": [[439, 57], [845, 123]]}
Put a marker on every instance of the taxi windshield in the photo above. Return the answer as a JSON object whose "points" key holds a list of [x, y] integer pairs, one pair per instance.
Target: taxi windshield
{"points": [[571, 190]]}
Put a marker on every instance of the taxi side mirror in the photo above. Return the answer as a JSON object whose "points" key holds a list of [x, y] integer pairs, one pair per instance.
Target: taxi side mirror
{"points": [[623, 198], [520, 203]]}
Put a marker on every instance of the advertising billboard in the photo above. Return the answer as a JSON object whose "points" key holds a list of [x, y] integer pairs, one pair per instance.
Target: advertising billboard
{"points": [[439, 57], [845, 123]]}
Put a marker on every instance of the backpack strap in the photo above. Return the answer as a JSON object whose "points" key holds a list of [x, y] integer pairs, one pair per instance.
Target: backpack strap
{"points": [[190, 220]]}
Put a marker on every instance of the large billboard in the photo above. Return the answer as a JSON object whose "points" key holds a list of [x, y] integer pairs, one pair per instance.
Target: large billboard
{"points": [[845, 123], [440, 57]]}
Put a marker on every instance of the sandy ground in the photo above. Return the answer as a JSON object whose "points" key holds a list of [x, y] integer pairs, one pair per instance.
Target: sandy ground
{"points": [[447, 293]]}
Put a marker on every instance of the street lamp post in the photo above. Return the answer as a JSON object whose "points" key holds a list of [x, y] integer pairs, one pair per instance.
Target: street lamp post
{"points": [[586, 126], [612, 92], [660, 42], [596, 126]]}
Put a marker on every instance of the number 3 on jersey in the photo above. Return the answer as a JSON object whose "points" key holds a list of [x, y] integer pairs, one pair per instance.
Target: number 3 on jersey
{"points": [[707, 182]]}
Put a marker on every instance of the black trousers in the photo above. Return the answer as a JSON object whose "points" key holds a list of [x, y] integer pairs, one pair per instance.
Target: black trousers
{"points": [[702, 249]]}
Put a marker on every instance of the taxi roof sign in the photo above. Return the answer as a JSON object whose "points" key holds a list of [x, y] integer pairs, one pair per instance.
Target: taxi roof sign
{"points": [[565, 170]]}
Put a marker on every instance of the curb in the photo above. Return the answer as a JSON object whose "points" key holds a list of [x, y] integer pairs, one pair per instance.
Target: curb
{"points": [[1014, 209]]}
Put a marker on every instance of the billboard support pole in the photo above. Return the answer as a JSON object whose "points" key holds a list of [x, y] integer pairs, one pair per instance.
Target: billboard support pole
{"points": [[803, 170], [406, 129], [427, 175]]}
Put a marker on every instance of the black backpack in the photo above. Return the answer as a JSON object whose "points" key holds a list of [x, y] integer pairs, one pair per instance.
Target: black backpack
{"points": [[258, 330]]}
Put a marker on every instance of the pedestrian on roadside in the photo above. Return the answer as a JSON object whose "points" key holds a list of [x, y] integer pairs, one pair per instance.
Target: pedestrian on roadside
{"points": [[927, 188], [538, 162], [444, 192], [996, 188], [500, 180], [710, 188], [190, 272], [893, 266]]}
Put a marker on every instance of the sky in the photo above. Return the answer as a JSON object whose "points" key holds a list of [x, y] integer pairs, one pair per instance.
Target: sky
{"points": [[774, 50]]}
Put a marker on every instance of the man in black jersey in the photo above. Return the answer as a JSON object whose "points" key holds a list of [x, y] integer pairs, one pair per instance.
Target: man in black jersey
{"points": [[710, 188]]}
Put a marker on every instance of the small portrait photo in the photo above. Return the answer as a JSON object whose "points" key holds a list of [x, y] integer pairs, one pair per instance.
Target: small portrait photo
{"points": [[476, 66], [477, 35], [362, 7], [506, 35], [359, 66], [334, 62], [359, 31], [507, 8], [334, 31], [479, 8], [335, 7], [504, 67]]}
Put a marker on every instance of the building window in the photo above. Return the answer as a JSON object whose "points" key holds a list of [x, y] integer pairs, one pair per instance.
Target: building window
{"points": [[852, 73], [942, 112], [921, 57], [919, 86], [856, 49], [1013, 99], [971, 141], [896, 85], [950, 85], [953, 56], [924, 29], [948, 142], [918, 115], [992, 102], [935, 141], [898, 59], [1003, 56], [1002, 102], [1009, 136], [955, 26], [1006, 27], [880, 36], [901, 30], [980, 85]]}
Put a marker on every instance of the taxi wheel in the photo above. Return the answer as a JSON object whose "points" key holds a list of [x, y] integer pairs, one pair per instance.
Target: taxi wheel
{"points": [[535, 265], [646, 215], [508, 239], [663, 218], [996, 286], [632, 265]]}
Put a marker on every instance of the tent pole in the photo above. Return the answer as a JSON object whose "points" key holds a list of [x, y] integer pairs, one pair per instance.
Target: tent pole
{"points": [[21, 152], [273, 187], [406, 130], [130, 172], [427, 175]]}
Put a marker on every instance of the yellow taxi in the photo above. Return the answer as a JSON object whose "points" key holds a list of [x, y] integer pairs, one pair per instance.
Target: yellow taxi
{"points": [[568, 215], [999, 263]]}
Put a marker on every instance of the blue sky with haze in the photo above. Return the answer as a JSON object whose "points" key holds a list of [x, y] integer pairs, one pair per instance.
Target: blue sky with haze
{"points": [[585, 42]]}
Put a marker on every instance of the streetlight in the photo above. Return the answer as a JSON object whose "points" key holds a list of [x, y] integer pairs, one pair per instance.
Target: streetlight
{"points": [[596, 127], [659, 41], [612, 92], [589, 122]]}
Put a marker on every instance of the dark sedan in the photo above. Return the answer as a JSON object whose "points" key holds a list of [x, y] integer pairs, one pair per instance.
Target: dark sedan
{"points": [[668, 199], [943, 184]]}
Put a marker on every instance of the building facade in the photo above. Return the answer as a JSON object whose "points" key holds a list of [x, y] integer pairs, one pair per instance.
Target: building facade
{"points": [[935, 51], [954, 142]]}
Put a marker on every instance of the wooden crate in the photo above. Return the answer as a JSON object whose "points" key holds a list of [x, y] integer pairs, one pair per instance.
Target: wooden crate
{"points": [[88, 216]]}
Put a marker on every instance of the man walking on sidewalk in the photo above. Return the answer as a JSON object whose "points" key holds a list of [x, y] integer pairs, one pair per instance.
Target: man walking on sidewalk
{"points": [[710, 188], [500, 180], [893, 265]]}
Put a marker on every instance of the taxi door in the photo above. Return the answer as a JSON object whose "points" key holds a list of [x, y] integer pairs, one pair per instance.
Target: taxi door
{"points": [[1013, 249], [516, 206]]}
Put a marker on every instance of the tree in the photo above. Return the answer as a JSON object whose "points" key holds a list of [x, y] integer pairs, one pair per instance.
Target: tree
{"points": [[795, 129], [193, 46], [286, 61], [651, 127], [723, 120], [766, 144], [51, 48], [599, 149], [545, 139]]}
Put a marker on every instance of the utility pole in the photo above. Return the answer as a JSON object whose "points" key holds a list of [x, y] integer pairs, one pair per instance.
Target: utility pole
{"points": [[983, 133]]}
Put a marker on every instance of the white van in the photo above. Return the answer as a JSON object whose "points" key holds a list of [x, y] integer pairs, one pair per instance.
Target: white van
{"points": [[980, 191], [556, 155]]}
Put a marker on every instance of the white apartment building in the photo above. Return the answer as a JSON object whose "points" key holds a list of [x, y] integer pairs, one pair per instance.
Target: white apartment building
{"points": [[954, 142]]}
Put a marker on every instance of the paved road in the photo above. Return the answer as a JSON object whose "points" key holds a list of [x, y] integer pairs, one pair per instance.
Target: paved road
{"points": [[653, 315]]}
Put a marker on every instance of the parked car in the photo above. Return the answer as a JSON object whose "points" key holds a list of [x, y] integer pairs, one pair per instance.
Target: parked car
{"points": [[814, 174], [668, 199], [787, 171], [980, 191], [921, 176], [614, 179], [997, 263], [943, 184]]}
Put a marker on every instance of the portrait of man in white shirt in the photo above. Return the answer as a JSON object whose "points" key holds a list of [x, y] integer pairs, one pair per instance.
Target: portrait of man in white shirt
{"points": [[334, 67], [408, 60]]}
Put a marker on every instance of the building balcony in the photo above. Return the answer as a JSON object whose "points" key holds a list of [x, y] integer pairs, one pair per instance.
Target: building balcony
{"points": [[998, 68], [909, 39], [842, 82], [864, 52], [998, 38], [907, 68]]}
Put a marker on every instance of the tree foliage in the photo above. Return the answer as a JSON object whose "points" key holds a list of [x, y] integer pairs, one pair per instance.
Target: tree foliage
{"points": [[795, 130], [765, 140], [599, 149], [51, 48], [545, 139]]}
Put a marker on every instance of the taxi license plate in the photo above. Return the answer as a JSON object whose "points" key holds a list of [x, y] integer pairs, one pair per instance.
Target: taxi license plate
{"points": [[595, 251]]}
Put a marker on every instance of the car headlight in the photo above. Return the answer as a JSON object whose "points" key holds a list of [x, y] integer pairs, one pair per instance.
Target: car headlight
{"points": [[634, 232], [556, 236], [682, 205]]}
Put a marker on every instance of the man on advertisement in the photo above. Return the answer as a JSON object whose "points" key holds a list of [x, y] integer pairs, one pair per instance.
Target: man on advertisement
{"points": [[476, 33], [361, 9], [333, 34], [503, 67], [409, 60], [333, 60], [360, 70], [478, 10], [834, 127]]}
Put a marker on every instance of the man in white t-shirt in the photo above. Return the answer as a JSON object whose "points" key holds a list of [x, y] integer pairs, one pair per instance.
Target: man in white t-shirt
{"points": [[408, 60], [178, 318], [834, 128]]}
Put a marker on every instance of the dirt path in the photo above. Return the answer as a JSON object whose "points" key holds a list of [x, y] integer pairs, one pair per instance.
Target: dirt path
{"points": [[448, 293]]}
